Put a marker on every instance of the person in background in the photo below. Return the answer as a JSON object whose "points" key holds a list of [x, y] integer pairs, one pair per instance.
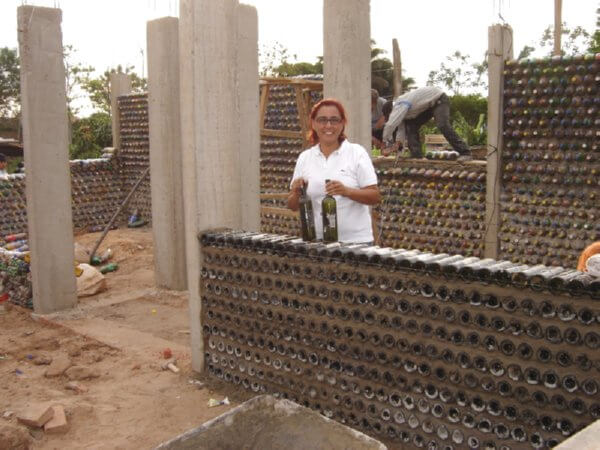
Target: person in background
{"points": [[377, 119], [387, 110], [3, 172], [348, 166], [412, 110]]}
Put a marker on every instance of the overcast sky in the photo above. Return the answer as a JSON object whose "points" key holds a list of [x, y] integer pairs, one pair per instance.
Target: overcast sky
{"points": [[110, 32]]}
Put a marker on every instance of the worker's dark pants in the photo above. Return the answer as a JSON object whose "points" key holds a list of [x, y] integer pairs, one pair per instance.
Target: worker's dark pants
{"points": [[441, 115]]}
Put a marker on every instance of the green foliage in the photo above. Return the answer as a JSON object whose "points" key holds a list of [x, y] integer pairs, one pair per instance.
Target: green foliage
{"points": [[98, 88], [469, 106], [382, 73], [272, 58], [12, 163], [459, 74], [90, 136], [9, 82], [287, 69], [472, 135], [526, 52]]}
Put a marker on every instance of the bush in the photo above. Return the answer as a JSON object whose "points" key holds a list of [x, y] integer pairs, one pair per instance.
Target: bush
{"points": [[90, 136], [469, 106]]}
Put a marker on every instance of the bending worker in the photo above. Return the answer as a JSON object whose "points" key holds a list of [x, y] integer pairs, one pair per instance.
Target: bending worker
{"points": [[412, 110]]}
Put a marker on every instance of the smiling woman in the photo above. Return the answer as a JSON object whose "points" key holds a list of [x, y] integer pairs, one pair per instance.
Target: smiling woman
{"points": [[348, 166]]}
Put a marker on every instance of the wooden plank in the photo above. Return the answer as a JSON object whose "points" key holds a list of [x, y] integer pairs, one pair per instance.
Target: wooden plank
{"points": [[264, 95], [434, 139], [278, 211], [300, 81], [557, 26], [499, 50], [281, 133], [273, 195], [397, 69]]}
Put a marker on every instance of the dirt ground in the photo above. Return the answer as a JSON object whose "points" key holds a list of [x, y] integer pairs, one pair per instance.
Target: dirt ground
{"points": [[118, 336]]}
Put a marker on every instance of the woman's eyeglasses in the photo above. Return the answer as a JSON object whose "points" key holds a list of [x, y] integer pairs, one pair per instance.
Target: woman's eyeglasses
{"points": [[331, 120]]}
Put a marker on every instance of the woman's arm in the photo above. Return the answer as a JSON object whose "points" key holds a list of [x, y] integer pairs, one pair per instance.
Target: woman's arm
{"points": [[368, 195], [293, 200]]}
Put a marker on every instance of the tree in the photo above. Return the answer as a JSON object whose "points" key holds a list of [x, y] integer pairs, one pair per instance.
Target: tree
{"points": [[594, 45], [526, 52], [272, 58], [287, 69], [10, 86], [90, 135], [382, 73], [10, 83], [276, 61], [98, 88], [573, 41], [459, 74], [75, 75]]}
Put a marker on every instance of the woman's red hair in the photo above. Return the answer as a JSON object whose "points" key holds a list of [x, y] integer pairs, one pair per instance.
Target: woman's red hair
{"points": [[312, 135]]}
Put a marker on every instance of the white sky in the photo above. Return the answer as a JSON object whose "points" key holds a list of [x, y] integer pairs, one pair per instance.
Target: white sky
{"points": [[111, 32]]}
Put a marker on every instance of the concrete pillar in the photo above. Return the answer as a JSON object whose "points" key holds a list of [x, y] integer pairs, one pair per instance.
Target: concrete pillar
{"points": [[168, 223], [46, 145], [347, 63], [250, 116], [210, 135], [120, 84], [499, 50]]}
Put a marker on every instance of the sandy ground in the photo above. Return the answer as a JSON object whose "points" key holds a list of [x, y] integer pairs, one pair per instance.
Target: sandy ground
{"points": [[119, 335]]}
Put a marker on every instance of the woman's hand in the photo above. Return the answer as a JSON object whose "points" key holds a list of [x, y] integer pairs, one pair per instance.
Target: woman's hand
{"points": [[297, 184], [335, 187], [369, 195], [295, 191]]}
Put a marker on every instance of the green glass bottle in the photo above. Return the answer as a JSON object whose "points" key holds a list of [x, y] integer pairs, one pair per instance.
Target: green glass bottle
{"points": [[329, 211], [307, 219], [109, 268]]}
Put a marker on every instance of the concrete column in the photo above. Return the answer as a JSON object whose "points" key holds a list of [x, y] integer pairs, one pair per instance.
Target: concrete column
{"points": [[168, 222], [120, 84], [250, 116], [210, 135], [499, 50], [347, 63], [46, 145]]}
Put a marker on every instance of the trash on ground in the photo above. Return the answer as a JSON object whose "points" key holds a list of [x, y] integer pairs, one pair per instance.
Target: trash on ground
{"points": [[170, 364], [111, 267], [212, 402]]}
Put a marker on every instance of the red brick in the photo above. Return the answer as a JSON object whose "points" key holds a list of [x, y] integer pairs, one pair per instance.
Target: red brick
{"points": [[58, 423], [36, 415]]}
